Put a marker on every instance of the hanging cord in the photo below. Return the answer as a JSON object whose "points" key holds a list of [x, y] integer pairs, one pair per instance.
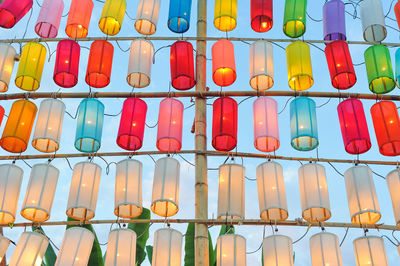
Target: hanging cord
{"points": [[284, 107], [69, 164], [308, 229], [192, 164], [114, 115], [162, 47], [344, 237], [319, 106], [375, 172], [152, 158], [252, 252], [313, 19], [388, 238], [245, 99], [334, 168], [76, 113], [395, 237], [126, 50]]}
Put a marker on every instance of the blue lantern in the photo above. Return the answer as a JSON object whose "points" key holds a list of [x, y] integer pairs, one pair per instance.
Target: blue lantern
{"points": [[179, 15], [397, 57]]}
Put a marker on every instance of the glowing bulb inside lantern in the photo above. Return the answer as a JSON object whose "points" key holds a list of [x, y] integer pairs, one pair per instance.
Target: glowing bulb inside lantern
{"points": [[134, 124], [264, 24], [66, 61], [391, 121], [38, 261]]}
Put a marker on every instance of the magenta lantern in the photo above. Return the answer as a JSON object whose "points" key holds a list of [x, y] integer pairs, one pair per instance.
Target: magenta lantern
{"points": [[67, 63], [224, 128], [12, 11], [182, 66], [170, 120]]}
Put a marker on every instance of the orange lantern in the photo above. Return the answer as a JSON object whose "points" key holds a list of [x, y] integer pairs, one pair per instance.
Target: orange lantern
{"points": [[223, 63], [79, 18]]}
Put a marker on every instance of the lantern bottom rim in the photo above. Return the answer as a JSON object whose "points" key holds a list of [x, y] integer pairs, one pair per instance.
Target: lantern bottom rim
{"points": [[27, 83], [47, 145], [274, 214], [220, 76], [129, 142], [13, 144], [168, 144], [267, 143], [301, 82], [178, 24], [261, 82], [3, 86], [262, 23], [353, 146], [109, 25], [30, 212], [323, 214], [183, 82], [6, 217], [375, 33], [344, 80], [85, 144], [65, 79], [75, 30], [7, 19], [224, 23], [138, 80], [294, 28], [230, 217], [229, 142], [85, 214], [145, 26], [49, 30], [97, 79], [366, 217], [124, 208], [168, 208], [335, 36], [304, 143], [382, 85]]}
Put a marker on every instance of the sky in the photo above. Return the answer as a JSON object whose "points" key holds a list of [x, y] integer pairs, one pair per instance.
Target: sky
{"points": [[331, 144]]}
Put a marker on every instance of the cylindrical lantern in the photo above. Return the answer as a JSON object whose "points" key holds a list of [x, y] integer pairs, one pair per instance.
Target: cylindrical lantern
{"points": [[19, 125], [397, 12], [393, 183], [128, 189], [231, 250], [261, 15], [12, 11], [361, 195], [223, 63], [261, 65], [179, 15], [112, 16], [4, 243], [165, 197], [353, 125], [303, 124], [294, 20], [170, 122], [30, 249], [99, 67], [271, 192], [224, 127], [231, 192], [385, 118], [76, 247], [397, 64], [278, 251], [89, 125], [49, 18], [314, 194], [325, 250], [370, 250], [132, 124], [266, 129], [340, 65], [83, 191], [30, 66], [79, 16], [373, 20], [334, 20], [182, 66], [121, 248], [140, 61], [379, 69], [147, 16], [40, 193], [299, 67], [67, 63], [225, 14], [1, 114], [167, 247], [7, 58], [10, 185]]}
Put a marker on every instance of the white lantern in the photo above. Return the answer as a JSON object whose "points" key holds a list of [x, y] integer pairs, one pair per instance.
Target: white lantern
{"points": [[83, 192], [30, 249], [373, 20], [393, 183], [4, 243], [370, 250], [325, 250], [10, 185], [167, 247], [7, 57], [261, 65], [40, 193], [140, 61], [231, 250], [76, 247], [147, 16], [278, 250], [121, 248]]}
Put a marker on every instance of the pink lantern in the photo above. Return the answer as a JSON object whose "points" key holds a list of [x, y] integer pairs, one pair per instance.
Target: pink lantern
{"points": [[266, 130], [49, 18], [170, 120]]}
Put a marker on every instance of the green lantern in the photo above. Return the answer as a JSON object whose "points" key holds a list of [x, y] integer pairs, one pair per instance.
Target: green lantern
{"points": [[294, 21]]}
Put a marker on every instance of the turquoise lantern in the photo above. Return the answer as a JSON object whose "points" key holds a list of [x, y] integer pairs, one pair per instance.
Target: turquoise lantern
{"points": [[90, 125], [179, 15], [397, 57]]}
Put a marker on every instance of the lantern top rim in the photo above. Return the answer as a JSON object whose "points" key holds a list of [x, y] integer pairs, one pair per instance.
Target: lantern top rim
{"points": [[269, 162], [231, 164], [46, 164], [170, 230], [395, 170], [323, 233], [357, 166], [311, 163], [12, 164], [84, 162], [375, 46], [36, 232], [233, 235], [297, 42], [142, 39], [9, 45], [130, 160], [53, 99], [367, 237], [92, 99], [172, 99], [169, 158], [123, 229], [79, 229], [278, 235]]}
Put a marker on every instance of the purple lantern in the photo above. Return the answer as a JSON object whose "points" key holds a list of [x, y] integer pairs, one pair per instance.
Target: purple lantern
{"points": [[334, 21]]}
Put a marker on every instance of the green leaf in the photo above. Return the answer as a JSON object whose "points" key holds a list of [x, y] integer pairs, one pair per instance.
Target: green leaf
{"points": [[50, 256], [210, 250], [262, 257], [142, 232], [189, 245], [149, 250]]}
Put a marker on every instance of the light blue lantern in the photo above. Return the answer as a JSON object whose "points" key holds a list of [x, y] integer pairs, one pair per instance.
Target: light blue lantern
{"points": [[397, 57], [179, 15], [90, 125], [303, 124]]}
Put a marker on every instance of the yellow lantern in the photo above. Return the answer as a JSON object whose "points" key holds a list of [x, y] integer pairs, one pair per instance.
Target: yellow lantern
{"points": [[370, 250], [30, 249], [4, 243], [278, 251], [167, 247], [7, 57], [10, 185], [225, 13], [112, 16], [299, 66], [231, 250], [325, 250], [121, 248]]}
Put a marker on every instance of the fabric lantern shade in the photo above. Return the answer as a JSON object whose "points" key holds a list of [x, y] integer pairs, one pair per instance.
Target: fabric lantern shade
{"points": [[223, 63], [89, 125], [12, 11], [393, 183], [147, 16], [385, 118], [271, 192], [10, 185], [294, 20], [76, 247], [170, 122], [224, 127], [83, 191], [370, 250], [231, 250], [19, 125], [182, 65], [325, 250], [49, 18], [30, 66], [397, 64], [373, 20], [121, 248], [361, 195], [261, 65], [167, 249], [40, 193], [67, 63], [179, 15], [140, 61], [165, 197], [261, 15], [266, 129], [132, 124], [278, 250], [99, 67], [299, 67], [333, 16], [4, 243], [112, 16], [303, 124], [397, 12], [128, 189], [1, 114], [225, 14], [30, 249], [7, 58], [79, 16], [353, 125], [340, 65]]}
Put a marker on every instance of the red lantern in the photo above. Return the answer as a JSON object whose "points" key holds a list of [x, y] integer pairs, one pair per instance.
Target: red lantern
{"points": [[387, 127], [1, 114], [170, 121], [98, 72], [261, 15], [354, 126], [12, 11], [397, 12], [182, 66], [223, 63], [67, 63], [340, 65], [224, 129], [131, 126]]}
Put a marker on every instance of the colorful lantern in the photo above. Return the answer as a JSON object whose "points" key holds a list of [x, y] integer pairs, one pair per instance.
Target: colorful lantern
{"points": [[361, 195], [334, 20], [261, 65], [49, 18], [223, 63], [30, 66], [294, 20], [325, 249], [271, 192], [12, 11], [231, 250], [112, 16], [224, 128], [303, 124], [266, 129], [121, 248], [397, 12], [385, 118], [182, 66], [1, 119], [40, 193], [225, 13], [340, 65], [278, 250], [67, 63], [170, 122], [99, 67], [7, 58], [179, 15], [393, 183], [261, 15], [30, 249], [147, 16], [299, 68], [167, 247], [354, 126], [19, 125], [140, 61], [79, 16], [132, 124], [397, 58], [89, 125], [370, 250], [373, 20], [10, 185], [4, 243]]}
